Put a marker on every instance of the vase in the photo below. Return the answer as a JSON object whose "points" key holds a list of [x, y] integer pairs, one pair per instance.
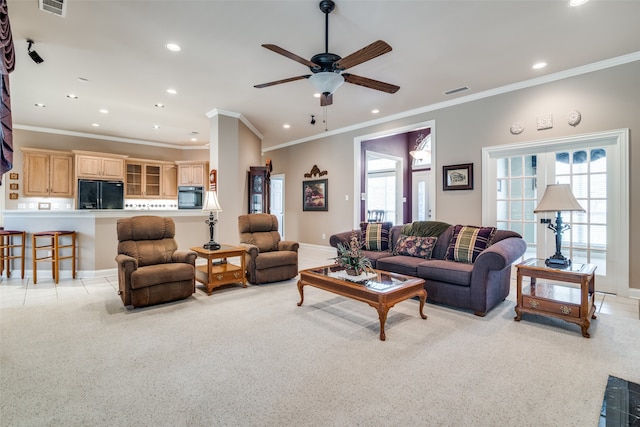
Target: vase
{"points": [[353, 272]]}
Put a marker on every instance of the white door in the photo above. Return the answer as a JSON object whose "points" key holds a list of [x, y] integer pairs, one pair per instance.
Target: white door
{"points": [[421, 197], [276, 203]]}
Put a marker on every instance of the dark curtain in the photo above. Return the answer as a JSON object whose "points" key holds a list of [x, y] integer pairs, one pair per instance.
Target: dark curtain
{"points": [[7, 64]]}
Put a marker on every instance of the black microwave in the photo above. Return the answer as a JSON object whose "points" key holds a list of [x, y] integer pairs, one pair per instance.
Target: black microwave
{"points": [[190, 197]]}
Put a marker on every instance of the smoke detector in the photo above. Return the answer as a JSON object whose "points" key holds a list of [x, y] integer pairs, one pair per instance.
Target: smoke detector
{"points": [[56, 7]]}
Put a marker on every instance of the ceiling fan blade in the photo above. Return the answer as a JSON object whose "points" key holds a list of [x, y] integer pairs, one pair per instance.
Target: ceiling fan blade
{"points": [[374, 50], [284, 52], [326, 99], [370, 83], [277, 82]]}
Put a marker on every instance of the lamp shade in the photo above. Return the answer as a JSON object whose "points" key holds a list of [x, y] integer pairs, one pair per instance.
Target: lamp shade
{"points": [[556, 198], [326, 81], [211, 203]]}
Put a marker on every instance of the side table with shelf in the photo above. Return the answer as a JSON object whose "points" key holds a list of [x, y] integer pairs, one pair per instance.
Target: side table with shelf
{"points": [[572, 304], [218, 271]]}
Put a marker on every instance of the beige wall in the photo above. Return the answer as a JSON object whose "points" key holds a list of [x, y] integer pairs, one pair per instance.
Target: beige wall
{"points": [[608, 99]]}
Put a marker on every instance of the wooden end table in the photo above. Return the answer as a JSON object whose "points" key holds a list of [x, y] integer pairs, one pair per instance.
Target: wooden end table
{"points": [[221, 272], [572, 304], [382, 291]]}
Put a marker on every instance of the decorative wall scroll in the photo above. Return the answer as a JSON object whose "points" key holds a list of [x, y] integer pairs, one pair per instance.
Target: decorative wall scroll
{"points": [[315, 170]]}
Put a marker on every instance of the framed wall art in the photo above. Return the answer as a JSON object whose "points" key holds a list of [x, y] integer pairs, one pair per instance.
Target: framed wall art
{"points": [[457, 177], [315, 195]]}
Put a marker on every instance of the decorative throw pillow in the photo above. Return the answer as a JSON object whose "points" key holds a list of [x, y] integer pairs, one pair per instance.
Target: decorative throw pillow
{"points": [[420, 247], [375, 235], [468, 241]]}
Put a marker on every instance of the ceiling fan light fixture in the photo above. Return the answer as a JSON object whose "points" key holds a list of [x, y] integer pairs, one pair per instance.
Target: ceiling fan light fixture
{"points": [[326, 81]]}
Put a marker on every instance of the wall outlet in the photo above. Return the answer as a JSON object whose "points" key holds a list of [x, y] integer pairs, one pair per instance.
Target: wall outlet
{"points": [[324, 236], [346, 197]]}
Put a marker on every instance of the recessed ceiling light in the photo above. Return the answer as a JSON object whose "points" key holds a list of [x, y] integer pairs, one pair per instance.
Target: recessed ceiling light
{"points": [[194, 139], [160, 105], [316, 95], [539, 65], [172, 91], [38, 104], [156, 126], [286, 126], [574, 3], [95, 125], [375, 111], [82, 80], [173, 47], [104, 111], [72, 96]]}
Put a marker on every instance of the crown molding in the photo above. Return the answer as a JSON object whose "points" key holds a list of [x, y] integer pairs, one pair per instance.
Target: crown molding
{"points": [[243, 119]]}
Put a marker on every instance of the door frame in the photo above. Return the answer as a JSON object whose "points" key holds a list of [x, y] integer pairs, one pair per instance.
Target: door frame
{"points": [[357, 163], [619, 179]]}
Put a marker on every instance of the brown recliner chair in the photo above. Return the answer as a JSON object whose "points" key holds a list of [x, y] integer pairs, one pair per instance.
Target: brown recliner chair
{"points": [[268, 259], [150, 268]]}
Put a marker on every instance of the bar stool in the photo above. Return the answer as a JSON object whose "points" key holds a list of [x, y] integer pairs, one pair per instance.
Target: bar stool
{"points": [[55, 247], [7, 247]]}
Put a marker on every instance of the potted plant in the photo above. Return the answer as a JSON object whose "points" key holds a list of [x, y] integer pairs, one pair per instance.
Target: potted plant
{"points": [[351, 257]]}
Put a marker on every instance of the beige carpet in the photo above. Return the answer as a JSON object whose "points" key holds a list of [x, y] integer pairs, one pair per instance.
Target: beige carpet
{"points": [[251, 357]]}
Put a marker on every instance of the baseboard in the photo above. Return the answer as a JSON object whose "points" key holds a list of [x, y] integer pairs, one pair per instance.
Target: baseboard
{"points": [[634, 293]]}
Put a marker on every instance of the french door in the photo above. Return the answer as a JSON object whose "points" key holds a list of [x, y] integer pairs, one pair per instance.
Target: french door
{"points": [[595, 168]]}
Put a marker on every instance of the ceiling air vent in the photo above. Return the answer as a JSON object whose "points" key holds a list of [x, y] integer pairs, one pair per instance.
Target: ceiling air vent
{"points": [[452, 91], [57, 7]]}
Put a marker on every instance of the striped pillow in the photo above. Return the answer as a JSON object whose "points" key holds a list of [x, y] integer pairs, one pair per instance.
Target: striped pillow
{"points": [[468, 241], [375, 235]]}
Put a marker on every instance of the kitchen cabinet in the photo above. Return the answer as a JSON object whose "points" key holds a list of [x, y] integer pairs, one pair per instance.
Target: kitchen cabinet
{"points": [[259, 178], [102, 166], [47, 173], [193, 173], [170, 181], [144, 179]]}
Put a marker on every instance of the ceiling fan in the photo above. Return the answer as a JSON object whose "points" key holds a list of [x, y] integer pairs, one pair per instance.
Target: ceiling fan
{"points": [[328, 68]]}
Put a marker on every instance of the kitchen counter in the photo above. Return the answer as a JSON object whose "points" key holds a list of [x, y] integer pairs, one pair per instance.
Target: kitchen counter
{"points": [[96, 229]]}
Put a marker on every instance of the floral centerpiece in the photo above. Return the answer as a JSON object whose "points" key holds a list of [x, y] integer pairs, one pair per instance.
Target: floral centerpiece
{"points": [[351, 257]]}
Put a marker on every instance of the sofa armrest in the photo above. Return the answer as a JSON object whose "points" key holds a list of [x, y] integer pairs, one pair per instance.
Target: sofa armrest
{"points": [[186, 256], [126, 262], [288, 245], [343, 237], [501, 254]]}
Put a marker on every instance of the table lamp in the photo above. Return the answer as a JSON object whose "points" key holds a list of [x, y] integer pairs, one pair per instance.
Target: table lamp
{"points": [[212, 205], [558, 198]]}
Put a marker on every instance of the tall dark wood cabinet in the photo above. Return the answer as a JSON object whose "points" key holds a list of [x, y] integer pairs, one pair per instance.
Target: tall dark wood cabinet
{"points": [[259, 189]]}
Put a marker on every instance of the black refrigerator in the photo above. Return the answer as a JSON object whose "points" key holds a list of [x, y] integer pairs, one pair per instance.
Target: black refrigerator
{"points": [[100, 194]]}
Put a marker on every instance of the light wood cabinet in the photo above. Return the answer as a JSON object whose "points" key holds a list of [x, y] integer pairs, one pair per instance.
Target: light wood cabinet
{"points": [[47, 173], [146, 179], [170, 181], [99, 166], [193, 173]]}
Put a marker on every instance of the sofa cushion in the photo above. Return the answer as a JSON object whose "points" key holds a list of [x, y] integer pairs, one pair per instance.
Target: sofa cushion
{"points": [[152, 275], [401, 264], [446, 271], [276, 259], [415, 246], [375, 235], [468, 241]]}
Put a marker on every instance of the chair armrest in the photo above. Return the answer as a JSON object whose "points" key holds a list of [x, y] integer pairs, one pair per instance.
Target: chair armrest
{"points": [[185, 256], [126, 262], [287, 245], [251, 250]]}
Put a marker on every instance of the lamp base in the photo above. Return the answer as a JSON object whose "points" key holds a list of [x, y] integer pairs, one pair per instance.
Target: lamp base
{"points": [[212, 246], [557, 261]]}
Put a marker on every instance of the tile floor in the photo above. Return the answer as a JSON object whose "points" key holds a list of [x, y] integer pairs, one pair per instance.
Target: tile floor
{"points": [[15, 291]]}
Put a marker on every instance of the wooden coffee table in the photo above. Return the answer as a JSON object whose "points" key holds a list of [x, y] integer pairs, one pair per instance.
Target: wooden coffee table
{"points": [[382, 291], [221, 272]]}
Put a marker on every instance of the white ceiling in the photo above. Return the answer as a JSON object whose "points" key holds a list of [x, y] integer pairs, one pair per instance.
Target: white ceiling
{"points": [[119, 46]]}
